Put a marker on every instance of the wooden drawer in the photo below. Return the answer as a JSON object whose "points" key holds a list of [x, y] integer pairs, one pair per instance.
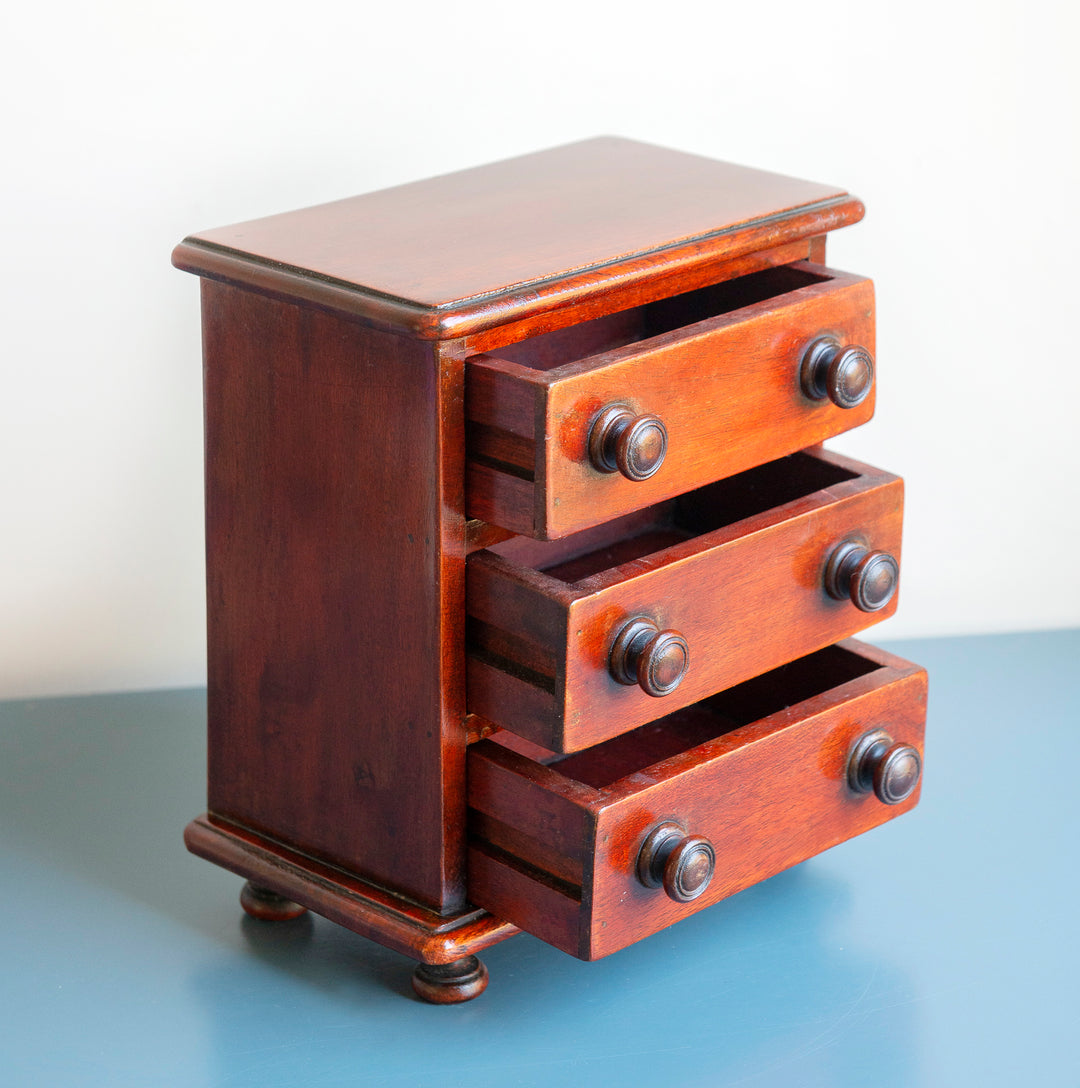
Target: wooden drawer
{"points": [[720, 367], [737, 570], [760, 771]]}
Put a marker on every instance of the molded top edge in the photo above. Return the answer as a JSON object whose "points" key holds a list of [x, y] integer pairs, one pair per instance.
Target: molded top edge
{"points": [[465, 251]]}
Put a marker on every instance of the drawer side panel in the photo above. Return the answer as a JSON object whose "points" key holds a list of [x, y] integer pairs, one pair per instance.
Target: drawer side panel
{"points": [[768, 795], [505, 888]]}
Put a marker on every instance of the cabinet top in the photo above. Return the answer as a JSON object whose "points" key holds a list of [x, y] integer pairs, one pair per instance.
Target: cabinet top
{"points": [[467, 251]]}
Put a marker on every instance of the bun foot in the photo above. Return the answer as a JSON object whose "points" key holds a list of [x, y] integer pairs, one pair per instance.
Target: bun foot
{"points": [[268, 906], [450, 983]]}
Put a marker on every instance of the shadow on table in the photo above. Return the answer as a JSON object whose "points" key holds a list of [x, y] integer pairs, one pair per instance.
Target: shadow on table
{"points": [[756, 990]]}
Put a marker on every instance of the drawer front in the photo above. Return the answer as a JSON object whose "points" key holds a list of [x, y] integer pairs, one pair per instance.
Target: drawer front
{"points": [[746, 596], [549, 441], [556, 849]]}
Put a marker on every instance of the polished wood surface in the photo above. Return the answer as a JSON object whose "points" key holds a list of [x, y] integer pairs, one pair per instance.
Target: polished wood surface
{"points": [[713, 567], [466, 251], [843, 374], [343, 898], [892, 769], [759, 771], [517, 448], [267, 906], [450, 983], [624, 292], [335, 580], [720, 368]]}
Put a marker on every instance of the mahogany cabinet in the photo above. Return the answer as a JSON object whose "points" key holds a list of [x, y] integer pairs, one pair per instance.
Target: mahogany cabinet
{"points": [[530, 586]]}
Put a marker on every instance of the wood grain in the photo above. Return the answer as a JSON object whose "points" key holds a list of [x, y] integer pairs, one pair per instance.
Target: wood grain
{"points": [[335, 564], [349, 348], [464, 252], [342, 898], [724, 380], [626, 291], [768, 792], [740, 562]]}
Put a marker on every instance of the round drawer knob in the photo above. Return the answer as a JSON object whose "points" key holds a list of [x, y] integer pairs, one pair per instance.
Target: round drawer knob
{"points": [[843, 375], [868, 578], [889, 768], [620, 441], [655, 660], [680, 863]]}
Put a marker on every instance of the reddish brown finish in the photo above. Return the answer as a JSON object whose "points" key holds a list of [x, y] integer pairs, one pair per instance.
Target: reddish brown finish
{"points": [[581, 309], [764, 782], [335, 569], [478, 534], [268, 906], [450, 983], [467, 251], [541, 639], [725, 380], [599, 275], [363, 908]]}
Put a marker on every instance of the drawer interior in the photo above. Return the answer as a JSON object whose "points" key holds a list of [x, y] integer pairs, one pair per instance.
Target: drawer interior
{"points": [[612, 331], [649, 531], [802, 679]]}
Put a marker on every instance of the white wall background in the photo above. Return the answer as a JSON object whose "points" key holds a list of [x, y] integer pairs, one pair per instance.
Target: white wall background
{"points": [[128, 125]]}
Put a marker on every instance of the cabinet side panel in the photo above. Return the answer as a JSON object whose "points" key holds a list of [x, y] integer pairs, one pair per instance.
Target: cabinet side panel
{"points": [[335, 565]]}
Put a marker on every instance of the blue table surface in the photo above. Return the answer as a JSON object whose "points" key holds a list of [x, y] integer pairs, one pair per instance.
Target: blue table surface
{"points": [[940, 949]]}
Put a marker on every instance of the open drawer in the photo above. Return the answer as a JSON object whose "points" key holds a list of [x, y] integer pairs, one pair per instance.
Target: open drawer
{"points": [[594, 851], [582, 425], [574, 641]]}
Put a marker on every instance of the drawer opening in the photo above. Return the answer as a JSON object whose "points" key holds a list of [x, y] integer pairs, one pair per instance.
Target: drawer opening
{"points": [[667, 524], [604, 764], [549, 350]]}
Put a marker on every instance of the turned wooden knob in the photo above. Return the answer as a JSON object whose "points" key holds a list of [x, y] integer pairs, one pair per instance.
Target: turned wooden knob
{"points": [[868, 578], [844, 375], [680, 863], [889, 768], [620, 441], [655, 660]]}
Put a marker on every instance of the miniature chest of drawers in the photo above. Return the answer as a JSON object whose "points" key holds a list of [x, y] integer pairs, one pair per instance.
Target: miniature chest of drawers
{"points": [[530, 586]]}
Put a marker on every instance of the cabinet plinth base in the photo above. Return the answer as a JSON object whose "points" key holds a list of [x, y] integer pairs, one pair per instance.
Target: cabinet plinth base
{"points": [[371, 912]]}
